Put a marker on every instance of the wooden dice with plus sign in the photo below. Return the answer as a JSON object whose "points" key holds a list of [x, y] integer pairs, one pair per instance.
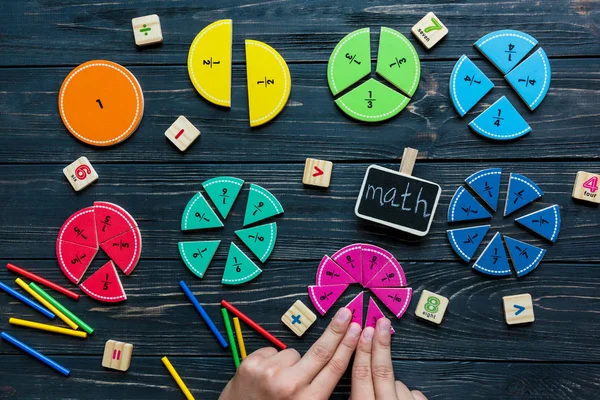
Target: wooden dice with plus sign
{"points": [[298, 318]]}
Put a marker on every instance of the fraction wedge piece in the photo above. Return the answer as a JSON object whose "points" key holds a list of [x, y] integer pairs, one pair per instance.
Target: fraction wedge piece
{"points": [[464, 207], [466, 241], [239, 268], [391, 275], [350, 61], [74, 259], [324, 297], [398, 61], [545, 222], [372, 101], [209, 62], [261, 205], [493, 259], [259, 239], [525, 257], [124, 250], [199, 215], [521, 191], [223, 191], [104, 285], [269, 82], [486, 184], [505, 48], [374, 258], [395, 299], [198, 255], [111, 220], [330, 273], [531, 79], [374, 314], [80, 228], [501, 121], [468, 85], [350, 259], [356, 307]]}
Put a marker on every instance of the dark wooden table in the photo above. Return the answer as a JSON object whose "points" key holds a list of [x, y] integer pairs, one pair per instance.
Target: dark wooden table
{"points": [[472, 355]]}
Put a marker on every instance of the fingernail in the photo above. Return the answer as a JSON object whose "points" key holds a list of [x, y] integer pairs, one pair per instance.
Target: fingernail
{"points": [[368, 333], [384, 325], [343, 315], [354, 330]]}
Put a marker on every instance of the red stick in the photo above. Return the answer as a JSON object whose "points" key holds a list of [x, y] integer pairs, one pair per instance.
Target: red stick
{"points": [[42, 281], [254, 325]]}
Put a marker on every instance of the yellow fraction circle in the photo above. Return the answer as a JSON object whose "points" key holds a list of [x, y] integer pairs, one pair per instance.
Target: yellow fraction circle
{"points": [[269, 82], [209, 62], [101, 103]]}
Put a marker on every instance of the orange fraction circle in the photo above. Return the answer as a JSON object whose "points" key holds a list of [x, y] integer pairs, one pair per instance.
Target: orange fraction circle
{"points": [[101, 103]]}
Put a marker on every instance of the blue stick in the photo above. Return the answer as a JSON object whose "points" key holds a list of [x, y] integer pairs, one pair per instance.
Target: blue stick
{"points": [[35, 353], [25, 300], [204, 315]]}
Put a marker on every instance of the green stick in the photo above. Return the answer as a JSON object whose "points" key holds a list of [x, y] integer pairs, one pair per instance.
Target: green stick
{"points": [[234, 351], [62, 308]]}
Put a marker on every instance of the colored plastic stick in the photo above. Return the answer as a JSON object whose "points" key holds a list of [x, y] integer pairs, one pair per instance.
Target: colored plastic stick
{"points": [[62, 308], [240, 337], [25, 300], [45, 303], [46, 327], [42, 281], [203, 314], [254, 325], [34, 353], [234, 352], [175, 375]]}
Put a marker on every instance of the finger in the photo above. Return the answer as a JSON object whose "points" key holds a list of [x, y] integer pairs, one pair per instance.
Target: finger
{"points": [[285, 358], [265, 352], [381, 361], [362, 381], [331, 374], [418, 395], [402, 392], [321, 352]]}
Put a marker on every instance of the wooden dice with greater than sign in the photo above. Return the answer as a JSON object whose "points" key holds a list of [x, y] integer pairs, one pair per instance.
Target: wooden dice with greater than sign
{"points": [[80, 173], [518, 309], [117, 355], [317, 172], [586, 187], [182, 133], [146, 30], [429, 30], [431, 307], [298, 318]]}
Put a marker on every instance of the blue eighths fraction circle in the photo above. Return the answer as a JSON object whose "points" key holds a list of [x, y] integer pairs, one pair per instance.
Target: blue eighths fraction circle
{"points": [[493, 259], [486, 184], [466, 241], [464, 207], [545, 222], [525, 257], [501, 121], [521, 192]]}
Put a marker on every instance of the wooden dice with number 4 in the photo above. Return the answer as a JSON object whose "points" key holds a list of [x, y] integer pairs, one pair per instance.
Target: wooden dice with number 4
{"points": [[298, 318], [431, 307], [80, 173], [586, 187], [182, 133]]}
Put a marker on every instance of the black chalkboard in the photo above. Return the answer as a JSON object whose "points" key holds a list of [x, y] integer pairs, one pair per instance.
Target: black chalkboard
{"points": [[397, 200]]}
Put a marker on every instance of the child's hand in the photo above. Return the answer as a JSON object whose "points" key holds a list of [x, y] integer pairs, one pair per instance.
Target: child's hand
{"points": [[268, 375], [373, 372]]}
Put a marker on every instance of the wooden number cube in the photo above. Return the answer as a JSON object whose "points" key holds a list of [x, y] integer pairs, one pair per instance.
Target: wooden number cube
{"points": [[182, 133], [429, 30], [317, 172], [431, 307], [80, 173], [117, 355], [586, 187], [299, 318], [518, 309], [146, 30]]}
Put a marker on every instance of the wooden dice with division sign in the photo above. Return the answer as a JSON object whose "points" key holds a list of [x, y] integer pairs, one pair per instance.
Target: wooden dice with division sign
{"points": [[429, 30], [317, 172], [431, 307], [586, 187], [182, 133], [80, 173], [117, 355], [518, 309], [146, 30], [298, 318]]}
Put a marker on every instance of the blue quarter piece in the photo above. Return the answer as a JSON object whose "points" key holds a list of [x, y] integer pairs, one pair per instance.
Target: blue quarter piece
{"points": [[493, 260], [468, 85], [486, 184], [531, 78], [464, 207], [501, 121], [465, 241], [525, 257], [521, 191], [545, 222], [505, 48]]}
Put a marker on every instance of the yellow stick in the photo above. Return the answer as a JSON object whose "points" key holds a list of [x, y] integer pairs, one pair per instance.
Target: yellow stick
{"points": [[49, 306], [240, 337], [49, 328], [175, 375]]}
